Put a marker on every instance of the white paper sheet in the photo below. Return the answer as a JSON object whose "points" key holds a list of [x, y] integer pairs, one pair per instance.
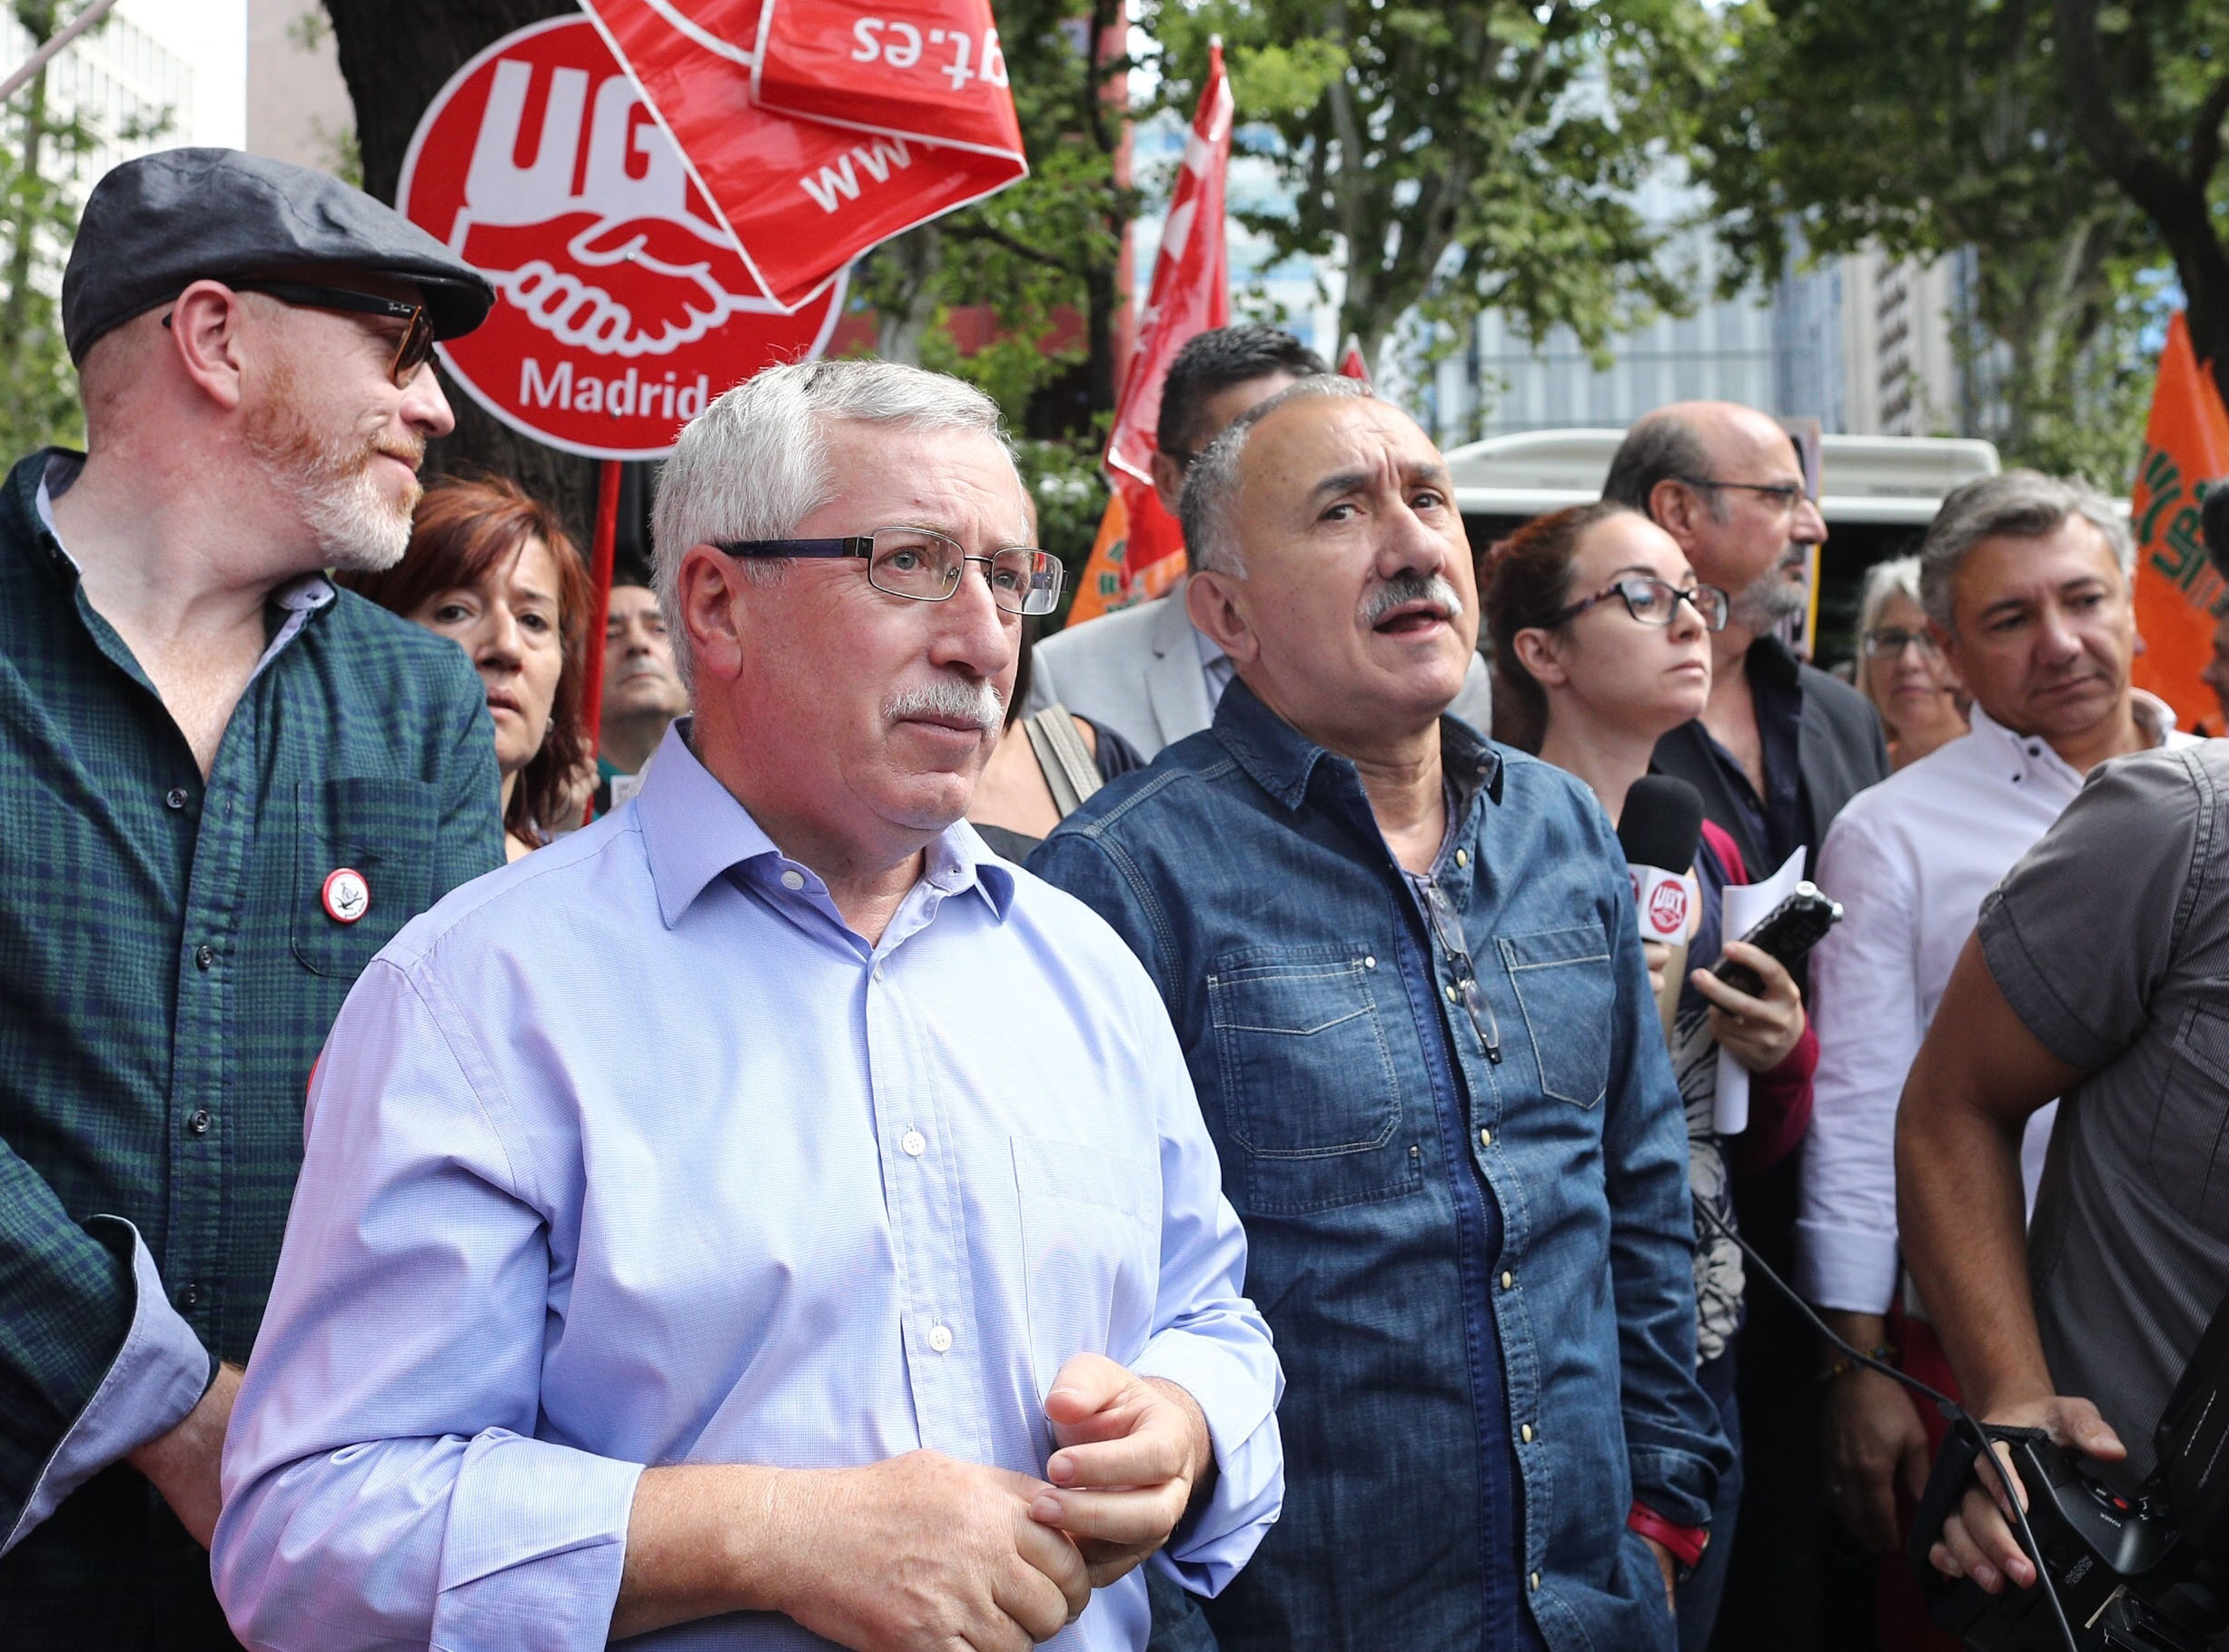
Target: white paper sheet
{"points": [[1745, 906]]}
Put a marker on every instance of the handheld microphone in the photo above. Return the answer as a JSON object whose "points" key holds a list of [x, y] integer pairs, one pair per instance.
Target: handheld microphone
{"points": [[1660, 830]]}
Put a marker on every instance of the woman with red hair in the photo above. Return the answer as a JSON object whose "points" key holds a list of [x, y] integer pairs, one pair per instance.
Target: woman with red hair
{"points": [[492, 567]]}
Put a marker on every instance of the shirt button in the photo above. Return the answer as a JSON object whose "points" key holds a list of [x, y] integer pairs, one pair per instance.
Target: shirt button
{"points": [[1525, 1433], [1535, 1581], [1455, 992], [1509, 1281], [1463, 857], [940, 1339], [914, 1143], [1485, 1138], [1370, 963], [877, 971], [204, 955], [188, 1296], [793, 879], [199, 1124], [175, 796]]}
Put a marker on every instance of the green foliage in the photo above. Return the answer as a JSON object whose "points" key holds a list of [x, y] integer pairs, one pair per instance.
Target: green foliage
{"points": [[1920, 127], [41, 158], [1464, 155]]}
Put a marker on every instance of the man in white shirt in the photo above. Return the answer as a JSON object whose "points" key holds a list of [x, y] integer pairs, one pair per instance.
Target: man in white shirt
{"points": [[1147, 672], [2028, 584]]}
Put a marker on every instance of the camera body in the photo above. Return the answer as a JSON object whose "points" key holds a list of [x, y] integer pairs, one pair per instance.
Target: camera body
{"points": [[2134, 1572]]}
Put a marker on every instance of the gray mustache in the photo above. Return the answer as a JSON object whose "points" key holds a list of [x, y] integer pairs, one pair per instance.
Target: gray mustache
{"points": [[975, 702], [1403, 588]]}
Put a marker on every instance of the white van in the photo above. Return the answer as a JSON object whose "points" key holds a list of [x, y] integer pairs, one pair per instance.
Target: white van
{"points": [[1878, 493]]}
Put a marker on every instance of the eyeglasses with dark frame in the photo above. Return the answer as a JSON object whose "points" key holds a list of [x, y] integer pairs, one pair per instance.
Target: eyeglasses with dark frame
{"points": [[413, 349], [1889, 643], [923, 565], [1654, 602], [1787, 495]]}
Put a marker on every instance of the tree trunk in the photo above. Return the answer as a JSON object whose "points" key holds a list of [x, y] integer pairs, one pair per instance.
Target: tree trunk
{"points": [[2173, 198], [395, 55]]}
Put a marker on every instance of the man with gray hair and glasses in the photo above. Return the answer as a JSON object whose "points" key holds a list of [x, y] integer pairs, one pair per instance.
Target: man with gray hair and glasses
{"points": [[888, 1298], [2026, 582], [1405, 970]]}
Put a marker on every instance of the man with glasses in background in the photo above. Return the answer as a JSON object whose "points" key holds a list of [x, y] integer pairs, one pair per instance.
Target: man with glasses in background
{"points": [[227, 785], [1405, 970], [889, 1293], [2026, 582], [1779, 748]]}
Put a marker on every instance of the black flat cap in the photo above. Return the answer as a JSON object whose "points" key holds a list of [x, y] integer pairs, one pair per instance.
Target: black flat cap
{"points": [[154, 226]]}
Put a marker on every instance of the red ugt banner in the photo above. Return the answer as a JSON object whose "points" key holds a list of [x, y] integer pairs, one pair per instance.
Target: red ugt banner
{"points": [[820, 127], [623, 306]]}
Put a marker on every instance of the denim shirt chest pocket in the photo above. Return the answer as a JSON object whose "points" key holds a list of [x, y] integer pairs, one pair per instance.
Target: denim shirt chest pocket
{"points": [[1564, 986], [1308, 1042]]}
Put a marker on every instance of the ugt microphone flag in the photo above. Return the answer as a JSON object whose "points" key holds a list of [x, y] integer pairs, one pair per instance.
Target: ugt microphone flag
{"points": [[818, 129], [1140, 551], [2178, 594]]}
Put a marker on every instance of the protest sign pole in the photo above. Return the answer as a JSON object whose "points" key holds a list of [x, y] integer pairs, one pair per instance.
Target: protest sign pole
{"points": [[600, 606]]}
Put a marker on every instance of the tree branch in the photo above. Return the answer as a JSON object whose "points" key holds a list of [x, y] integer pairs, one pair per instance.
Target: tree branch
{"points": [[2205, 134], [2113, 144], [967, 230]]}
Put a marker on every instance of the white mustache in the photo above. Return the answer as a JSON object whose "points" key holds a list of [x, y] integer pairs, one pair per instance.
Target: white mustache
{"points": [[1404, 589], [949, 697]]}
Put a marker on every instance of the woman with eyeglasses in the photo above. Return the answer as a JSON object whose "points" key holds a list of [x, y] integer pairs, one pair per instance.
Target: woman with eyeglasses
{"points": [[1901, 670], [1601, 638]]}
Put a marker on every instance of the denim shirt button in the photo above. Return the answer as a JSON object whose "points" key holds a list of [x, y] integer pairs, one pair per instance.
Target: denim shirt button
{"points": [[1370, 963], [1509, 1281], [1525, 1433], [1463, 857], [1455, 992], [1485, 1138], [1535, 1581]]}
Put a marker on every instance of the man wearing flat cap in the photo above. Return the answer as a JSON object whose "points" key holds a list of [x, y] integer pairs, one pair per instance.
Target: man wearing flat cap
{"points": [[226, 786]]}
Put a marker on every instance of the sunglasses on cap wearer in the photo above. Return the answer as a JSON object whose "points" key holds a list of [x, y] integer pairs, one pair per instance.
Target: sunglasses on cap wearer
{"points": [[412, 351]]}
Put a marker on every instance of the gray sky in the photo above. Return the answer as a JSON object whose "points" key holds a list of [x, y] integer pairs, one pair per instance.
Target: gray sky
{"points": [[213, 36]]}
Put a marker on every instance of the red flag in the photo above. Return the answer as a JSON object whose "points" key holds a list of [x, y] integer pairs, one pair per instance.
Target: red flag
{"points": [[1140, 550], [805, 196], [1351, 363], [2178, 594]]}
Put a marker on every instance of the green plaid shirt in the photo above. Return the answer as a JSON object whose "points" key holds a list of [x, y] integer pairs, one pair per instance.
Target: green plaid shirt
{"points": [[168, 971]]}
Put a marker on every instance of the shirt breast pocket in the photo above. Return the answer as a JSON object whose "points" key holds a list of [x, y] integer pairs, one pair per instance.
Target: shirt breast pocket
{"points": [[1310, 1091], [1090, 1252], [381, 829], [2187, 1131], [1564, 986]]}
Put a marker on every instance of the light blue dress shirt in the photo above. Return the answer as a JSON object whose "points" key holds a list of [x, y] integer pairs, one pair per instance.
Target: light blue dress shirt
{"points": [[633, 1154]]}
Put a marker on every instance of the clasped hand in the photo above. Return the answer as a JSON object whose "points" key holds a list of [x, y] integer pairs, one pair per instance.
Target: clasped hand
{"points": [[923, 1553]]}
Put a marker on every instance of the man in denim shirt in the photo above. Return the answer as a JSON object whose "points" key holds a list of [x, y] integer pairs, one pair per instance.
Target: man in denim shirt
{"points": [[1403, 967]]}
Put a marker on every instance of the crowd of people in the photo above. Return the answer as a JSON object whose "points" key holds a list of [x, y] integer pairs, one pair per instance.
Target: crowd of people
{"points": [[1166, 1133]]}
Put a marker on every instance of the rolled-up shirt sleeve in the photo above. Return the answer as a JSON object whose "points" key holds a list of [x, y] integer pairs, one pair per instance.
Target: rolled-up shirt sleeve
{"points": [[1865, 981], [382, 1486], [1208, 1338]]}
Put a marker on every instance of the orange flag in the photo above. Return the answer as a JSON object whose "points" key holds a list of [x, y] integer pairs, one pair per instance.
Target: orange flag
{"points": [[2178, 594], [1140, 551]]}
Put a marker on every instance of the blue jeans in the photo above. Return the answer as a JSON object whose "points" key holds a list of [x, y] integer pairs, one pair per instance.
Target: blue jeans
{"points": [[1699, 1596]]}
